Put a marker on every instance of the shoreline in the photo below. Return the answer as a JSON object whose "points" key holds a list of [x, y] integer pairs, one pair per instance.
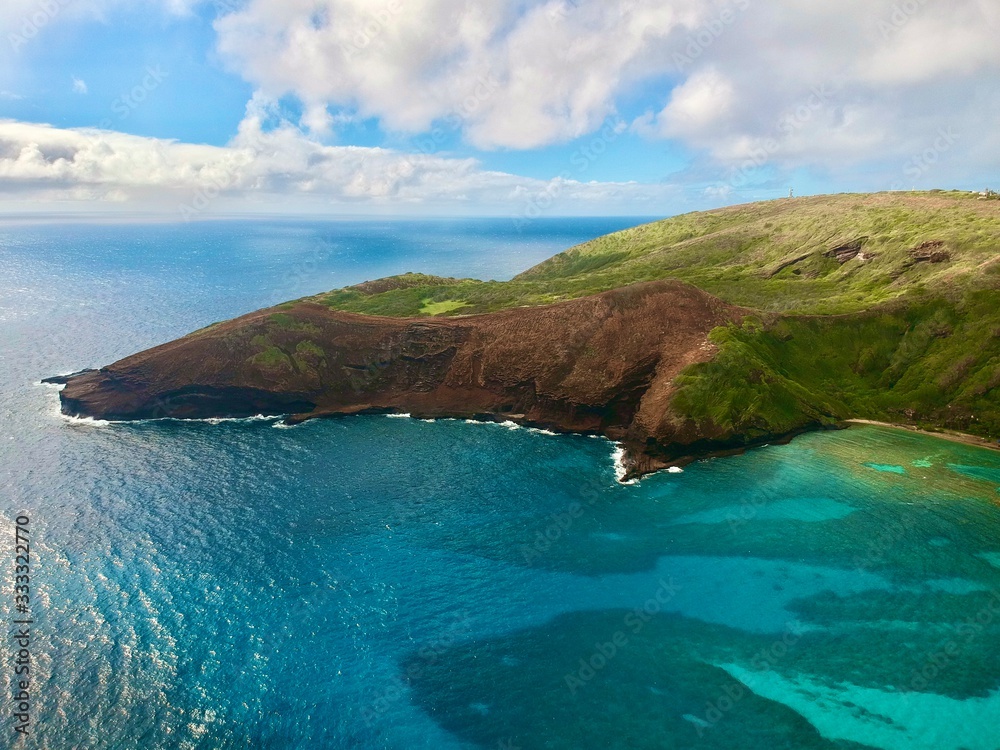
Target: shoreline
{"points": [[950, 435]]}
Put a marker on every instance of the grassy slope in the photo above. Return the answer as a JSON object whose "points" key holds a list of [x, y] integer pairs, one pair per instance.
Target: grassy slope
{"points": [[731, 252], [881, 339], [934, 363]]}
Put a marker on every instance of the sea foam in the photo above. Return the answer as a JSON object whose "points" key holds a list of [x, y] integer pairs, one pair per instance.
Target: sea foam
{"points": [[620, 471]]}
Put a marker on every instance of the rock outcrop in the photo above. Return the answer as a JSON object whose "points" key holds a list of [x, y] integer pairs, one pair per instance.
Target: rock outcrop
{"points": [[847, 252], [602, 364], [930, 252]]}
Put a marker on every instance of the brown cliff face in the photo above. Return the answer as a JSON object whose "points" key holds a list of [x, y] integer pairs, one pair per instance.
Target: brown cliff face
{"points": [[603, 364]]}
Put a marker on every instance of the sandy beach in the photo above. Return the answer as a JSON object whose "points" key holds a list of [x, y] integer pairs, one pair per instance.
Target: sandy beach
{"points": [[953, 436]]}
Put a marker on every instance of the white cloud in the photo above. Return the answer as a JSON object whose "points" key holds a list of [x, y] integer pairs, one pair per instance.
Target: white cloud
{"points": [[732, 73], [79, 86], [836, 86], [515, 74], [943, 41], [844, 87], [705, 100], [279, 170]]}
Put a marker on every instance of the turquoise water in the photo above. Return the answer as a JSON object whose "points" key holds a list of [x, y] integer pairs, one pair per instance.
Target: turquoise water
{"points": [[388, 583]]}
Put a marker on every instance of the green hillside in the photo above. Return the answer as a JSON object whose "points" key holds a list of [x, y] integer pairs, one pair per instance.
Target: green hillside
{"points": [[934, 363], [770, 256], [882, 306]]}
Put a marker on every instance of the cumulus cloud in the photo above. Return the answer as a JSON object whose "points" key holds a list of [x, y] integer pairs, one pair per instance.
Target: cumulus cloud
{"points": [[850, 86], [703, 101], [901, 89], [281, 169], [515, 74], [729, 73]]}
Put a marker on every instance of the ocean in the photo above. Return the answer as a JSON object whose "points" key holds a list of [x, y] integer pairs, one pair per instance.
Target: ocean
{"points": [[377, 582]]}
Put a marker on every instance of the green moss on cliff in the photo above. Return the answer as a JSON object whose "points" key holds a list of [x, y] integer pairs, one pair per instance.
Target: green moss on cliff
{"points": [[309, 348], [273, 358], [286, 322]]}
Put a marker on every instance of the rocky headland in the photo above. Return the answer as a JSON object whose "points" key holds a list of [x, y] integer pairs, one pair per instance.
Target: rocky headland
{"points": [[703, 334]]}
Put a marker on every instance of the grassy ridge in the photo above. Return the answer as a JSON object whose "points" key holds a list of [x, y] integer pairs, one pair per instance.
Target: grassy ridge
{"points": [[736, 253], [740, 253], [885, 335]]}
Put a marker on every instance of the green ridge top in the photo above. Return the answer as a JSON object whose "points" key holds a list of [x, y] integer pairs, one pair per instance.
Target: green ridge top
{"points": [[778, 256]]}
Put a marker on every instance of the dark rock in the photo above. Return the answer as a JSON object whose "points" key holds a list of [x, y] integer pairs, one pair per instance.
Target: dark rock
{"points": [[847, 252], [930, 252], [64, 379], [603, 364]]}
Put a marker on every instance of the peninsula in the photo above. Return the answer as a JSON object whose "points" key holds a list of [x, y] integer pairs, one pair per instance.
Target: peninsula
{"points": [[701, 334]]}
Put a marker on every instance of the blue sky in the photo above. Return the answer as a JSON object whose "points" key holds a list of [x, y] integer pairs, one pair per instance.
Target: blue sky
{"points": [[199, 100], [522, 107]]}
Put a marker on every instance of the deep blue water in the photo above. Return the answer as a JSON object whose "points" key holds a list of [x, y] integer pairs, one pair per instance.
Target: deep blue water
{"points": [[386, 583]]}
